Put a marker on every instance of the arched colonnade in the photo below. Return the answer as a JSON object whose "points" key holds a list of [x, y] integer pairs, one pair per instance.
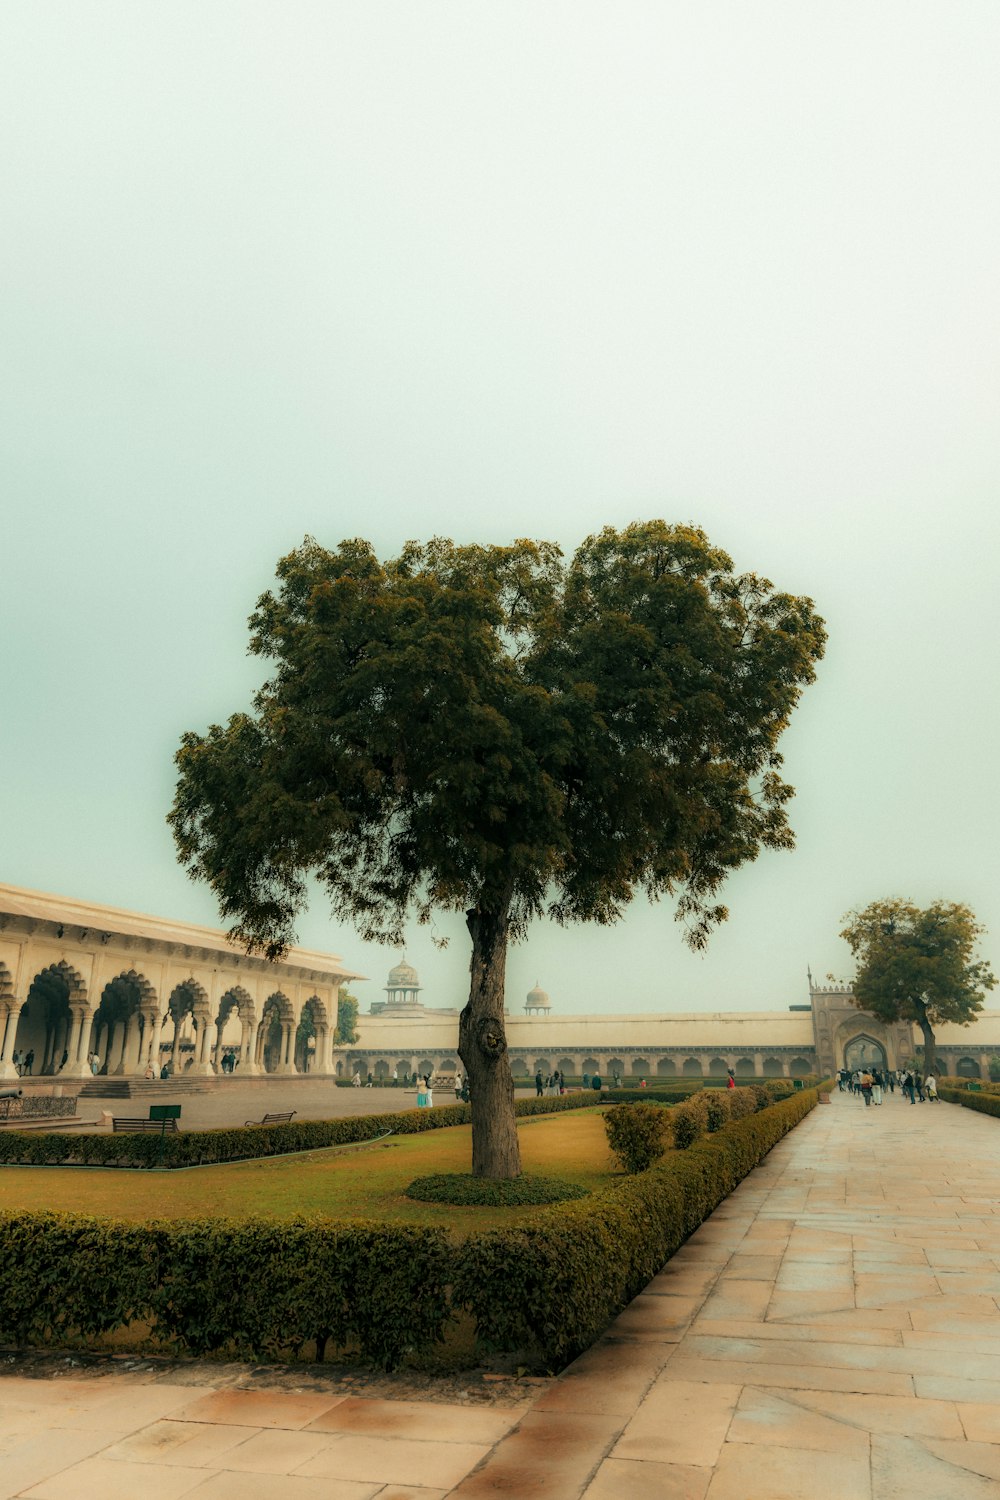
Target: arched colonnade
{"points": [[70, 988], [628, 1064]]}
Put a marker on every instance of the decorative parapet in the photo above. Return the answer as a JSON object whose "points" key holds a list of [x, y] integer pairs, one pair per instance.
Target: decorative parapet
{"points": [[38, 1107]]}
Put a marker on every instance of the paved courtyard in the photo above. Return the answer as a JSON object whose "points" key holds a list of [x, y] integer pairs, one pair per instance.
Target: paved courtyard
{"points": [[832, 1330]]}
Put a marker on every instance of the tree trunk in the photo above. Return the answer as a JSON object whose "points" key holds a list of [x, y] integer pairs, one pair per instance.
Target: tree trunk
{"points": [[930, 1042], [482, 1046]]}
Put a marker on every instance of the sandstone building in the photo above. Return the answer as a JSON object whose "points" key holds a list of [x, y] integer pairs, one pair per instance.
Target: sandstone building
{"points": [[78, 978]]}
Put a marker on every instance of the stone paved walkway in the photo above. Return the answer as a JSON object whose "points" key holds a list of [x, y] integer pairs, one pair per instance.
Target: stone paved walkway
{"points": [[833, 1329]]}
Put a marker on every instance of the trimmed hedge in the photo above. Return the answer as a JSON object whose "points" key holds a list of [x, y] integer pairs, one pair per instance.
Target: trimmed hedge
{"points": [[986, 1104], [463, 1190], [550, 1287], [258, 1289], [637, 1134], [191, 1148]]}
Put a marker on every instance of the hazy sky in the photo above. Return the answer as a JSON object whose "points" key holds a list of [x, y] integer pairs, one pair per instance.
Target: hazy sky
{"points": [[496, 270]]}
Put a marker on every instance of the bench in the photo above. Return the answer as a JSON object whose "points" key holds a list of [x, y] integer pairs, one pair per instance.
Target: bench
{"points": [[272, 1119], [161, 1127]]}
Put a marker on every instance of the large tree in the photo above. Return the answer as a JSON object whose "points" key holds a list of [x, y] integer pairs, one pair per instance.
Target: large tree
{"points": [[487, 729], [918, 965]]}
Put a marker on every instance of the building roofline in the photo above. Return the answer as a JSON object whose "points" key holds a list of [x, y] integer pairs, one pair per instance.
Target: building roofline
{"points": [[43, 906]]}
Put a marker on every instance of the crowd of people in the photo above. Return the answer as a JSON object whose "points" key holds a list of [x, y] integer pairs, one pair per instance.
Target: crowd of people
{"points": [[872, 1084]]}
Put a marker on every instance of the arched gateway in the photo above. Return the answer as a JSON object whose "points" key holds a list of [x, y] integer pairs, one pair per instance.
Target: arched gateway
{"points": [[78, 980]]}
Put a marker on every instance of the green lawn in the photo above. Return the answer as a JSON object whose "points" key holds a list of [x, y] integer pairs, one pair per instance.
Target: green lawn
{"points": [[346, 1182]]}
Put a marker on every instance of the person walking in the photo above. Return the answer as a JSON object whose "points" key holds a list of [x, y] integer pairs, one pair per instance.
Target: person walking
{"points": [[539, 1085], [930, 1089], [876, 1087], [29, 1061], [908, 1085], [866, 1088]]}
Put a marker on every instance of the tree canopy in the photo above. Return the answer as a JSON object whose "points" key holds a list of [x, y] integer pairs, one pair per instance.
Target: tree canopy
{"points": [[918, 965], [347, 1019], [492, 730]]}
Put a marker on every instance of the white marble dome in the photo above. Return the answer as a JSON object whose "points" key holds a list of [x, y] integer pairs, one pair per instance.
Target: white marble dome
{"points": [[537, 1000], [403, 977]]}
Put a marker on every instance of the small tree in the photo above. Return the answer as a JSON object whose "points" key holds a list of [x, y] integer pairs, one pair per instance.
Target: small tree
{"points": [[993, 1067], [916, 965], [489, 731], [637, 1133], [347, 1019]]}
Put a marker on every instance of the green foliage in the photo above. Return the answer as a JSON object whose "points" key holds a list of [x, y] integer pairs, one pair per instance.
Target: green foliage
{"points": [[717, 1109], [462, 1188], [487, 730], [985, 1103], [918, 965], [993, 1066], [347, 1019], [637, 1133], [688, 1122], [602, 717], [569, 1272], [383, 1290], [378, 1286], [192, 1148]]}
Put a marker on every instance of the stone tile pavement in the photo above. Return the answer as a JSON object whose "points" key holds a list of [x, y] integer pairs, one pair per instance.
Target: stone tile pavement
{"points": [[832, 1329]]}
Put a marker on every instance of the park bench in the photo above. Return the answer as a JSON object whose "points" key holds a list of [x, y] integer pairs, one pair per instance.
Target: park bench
{"points": [[161, 1127], [272, 1119]]}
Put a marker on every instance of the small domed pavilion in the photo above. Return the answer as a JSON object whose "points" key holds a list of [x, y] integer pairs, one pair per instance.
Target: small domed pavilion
{"points": [[537, 1003]]}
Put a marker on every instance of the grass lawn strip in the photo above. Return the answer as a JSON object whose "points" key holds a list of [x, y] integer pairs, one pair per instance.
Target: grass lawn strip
{"points": [[335, 1181]]}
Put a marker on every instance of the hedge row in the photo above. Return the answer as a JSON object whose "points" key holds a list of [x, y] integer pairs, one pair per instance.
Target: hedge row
{"points": [[991, 1087], [551, 1287], [191, 1148], [265, 1290], [987, 1104]]}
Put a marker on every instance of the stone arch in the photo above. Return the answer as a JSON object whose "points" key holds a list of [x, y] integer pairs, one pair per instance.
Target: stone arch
{"points": [[799, 1067], [425, 1067], [640, 1067], [772, 1067], [864, 1051], [187, 1006], [615, 1067], [229, 1054], [277, 1028], [566, 1065], [744, 1067], [666, 1068], [381, 1069], [692, 1068], [591, 1066], [311, 1035], [968, 1067], [448, 1065], [718, 1067], [45, 1021], [128, 1008], [402, 1068], [542, 1065], [519, 1067]]}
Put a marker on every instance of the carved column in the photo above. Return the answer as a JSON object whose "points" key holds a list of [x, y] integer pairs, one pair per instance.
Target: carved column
{"points": [[77, 1066], [202, 1067], [7, 1068]]}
